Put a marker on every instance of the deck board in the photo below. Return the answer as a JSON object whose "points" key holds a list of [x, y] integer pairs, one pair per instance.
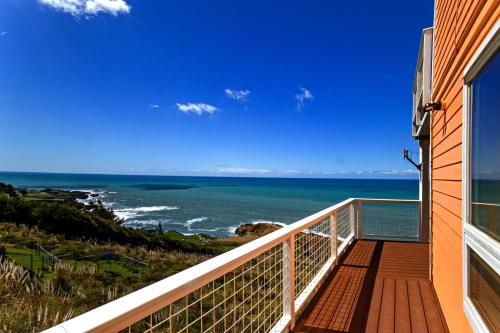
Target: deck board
{"points": [[417, 316], [402, 321], [377, 287], [386, 318], [432, 314], [374, 309]]}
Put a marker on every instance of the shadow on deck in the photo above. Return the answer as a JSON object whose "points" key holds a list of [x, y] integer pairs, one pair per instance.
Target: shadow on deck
{"points": [[376, 287]]}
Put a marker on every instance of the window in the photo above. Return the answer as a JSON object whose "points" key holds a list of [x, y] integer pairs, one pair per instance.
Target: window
{"points": [[485, 148], [481, 186], [484, 290]]}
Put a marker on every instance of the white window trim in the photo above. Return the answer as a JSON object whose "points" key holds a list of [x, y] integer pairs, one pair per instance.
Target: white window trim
{"points": [[482, 244]]}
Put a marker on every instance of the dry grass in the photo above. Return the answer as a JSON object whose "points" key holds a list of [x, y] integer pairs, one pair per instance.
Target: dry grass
{"points": [[31, 302], [28, 304]]}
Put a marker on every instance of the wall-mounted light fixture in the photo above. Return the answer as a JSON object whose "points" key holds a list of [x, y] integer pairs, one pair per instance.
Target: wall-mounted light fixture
{"points": [[434, 106]]}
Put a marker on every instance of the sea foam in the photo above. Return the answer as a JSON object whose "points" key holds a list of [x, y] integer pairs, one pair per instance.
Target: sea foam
{"points": [[190, 222], [268, 222], [128, 213], [196, 220]]}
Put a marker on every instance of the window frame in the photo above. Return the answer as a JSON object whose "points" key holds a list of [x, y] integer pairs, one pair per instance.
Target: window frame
{"points": [[472, 237]]}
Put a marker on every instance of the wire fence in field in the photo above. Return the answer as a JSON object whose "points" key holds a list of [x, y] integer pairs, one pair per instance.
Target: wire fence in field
{"points": [[41, 259]]}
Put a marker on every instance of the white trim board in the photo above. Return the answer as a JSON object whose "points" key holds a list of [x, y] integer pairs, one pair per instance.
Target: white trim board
{"points": [[472, 238]]}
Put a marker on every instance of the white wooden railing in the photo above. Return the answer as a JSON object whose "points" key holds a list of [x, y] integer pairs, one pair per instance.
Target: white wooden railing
{"points": [[258, 287]]}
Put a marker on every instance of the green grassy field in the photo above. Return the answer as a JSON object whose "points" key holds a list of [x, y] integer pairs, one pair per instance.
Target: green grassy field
{"points": [[25, 257], [29, 259]]}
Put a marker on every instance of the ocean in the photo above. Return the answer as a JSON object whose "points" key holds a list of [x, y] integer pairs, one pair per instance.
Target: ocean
{"points": [[213, 205]]}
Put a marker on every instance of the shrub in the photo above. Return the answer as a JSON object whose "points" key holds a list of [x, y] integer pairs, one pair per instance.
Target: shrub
{"points": [[63, 278], [16, 210]]}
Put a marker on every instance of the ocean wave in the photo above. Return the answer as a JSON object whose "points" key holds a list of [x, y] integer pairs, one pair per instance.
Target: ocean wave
{"points": [[190, 222], [206, 230], [90, 191], [128, 213], [185, 228], [146, 222], [92, 196], [196, 220], [83, 201], [148, 209], [268, 222], [231, 230], [125, 215]]}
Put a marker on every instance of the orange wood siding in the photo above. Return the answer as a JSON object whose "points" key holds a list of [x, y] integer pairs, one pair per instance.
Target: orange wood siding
{"points": [[460, 27]]}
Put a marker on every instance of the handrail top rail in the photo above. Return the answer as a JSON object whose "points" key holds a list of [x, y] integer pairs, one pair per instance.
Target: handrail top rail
{"points": [[399, 201], [485, 204], [133, 307]]}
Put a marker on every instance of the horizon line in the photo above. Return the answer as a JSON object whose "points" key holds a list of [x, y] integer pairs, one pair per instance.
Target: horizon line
{"points": [[207, 176]]}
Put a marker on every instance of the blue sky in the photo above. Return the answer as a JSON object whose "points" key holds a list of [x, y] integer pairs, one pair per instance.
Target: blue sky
{"points": [[256, 88]]}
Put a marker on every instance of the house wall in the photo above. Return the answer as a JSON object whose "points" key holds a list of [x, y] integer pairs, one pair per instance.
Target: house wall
{"points": [[460, 27]]}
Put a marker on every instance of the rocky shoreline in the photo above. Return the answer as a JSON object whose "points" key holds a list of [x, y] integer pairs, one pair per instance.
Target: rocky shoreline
{"points": [[256, 229], [91, 200]]}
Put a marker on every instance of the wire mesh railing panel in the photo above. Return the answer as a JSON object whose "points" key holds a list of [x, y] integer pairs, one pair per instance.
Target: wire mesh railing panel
{"points": [[345, 224], [312, 250], [390, 221], [247, 299]]}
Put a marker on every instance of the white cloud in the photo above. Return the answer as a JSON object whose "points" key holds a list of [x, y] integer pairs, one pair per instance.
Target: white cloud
{"points": [[303, 96], [108, 6], [237, 95], [347, 173], [399, 172], [154, 106], [265, 172], [88, 7], [243, 171], [198, 108], [395, 172]]}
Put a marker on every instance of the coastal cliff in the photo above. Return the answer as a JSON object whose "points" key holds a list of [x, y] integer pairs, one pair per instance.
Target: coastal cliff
{"points": [[256, 229], [68, 254]]}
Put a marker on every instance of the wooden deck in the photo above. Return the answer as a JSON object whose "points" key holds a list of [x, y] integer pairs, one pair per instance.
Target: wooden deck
{"points": [[377, 287]]}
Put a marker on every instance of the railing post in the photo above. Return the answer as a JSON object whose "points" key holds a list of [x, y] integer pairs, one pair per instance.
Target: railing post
{"points": [[493, 218], [421, 227], [289, 279], [360, 219], [353, 218], [334, 235]]}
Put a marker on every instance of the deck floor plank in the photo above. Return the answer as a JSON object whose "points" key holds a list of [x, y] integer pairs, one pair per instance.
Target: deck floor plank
{"points": [[386, 321], [376, 287], [432, 313], [402, 308], [374, 309], [417, 315]]}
